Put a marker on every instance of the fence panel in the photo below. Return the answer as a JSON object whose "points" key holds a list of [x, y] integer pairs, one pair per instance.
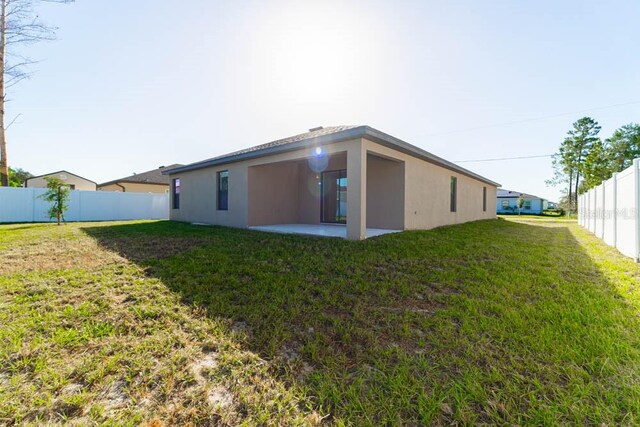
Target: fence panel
{"points": [[625, 212], [608, 215], [611, 211], [581, 210], [592, 211], [598, 226], [26, 205]]}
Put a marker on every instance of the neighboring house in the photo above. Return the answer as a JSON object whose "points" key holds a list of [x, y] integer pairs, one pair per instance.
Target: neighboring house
{"points": [[75, 182], [508, 203], [353, 175], [152, 181]]}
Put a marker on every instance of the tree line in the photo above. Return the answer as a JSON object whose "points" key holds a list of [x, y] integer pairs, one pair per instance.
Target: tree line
{"points": [[584, 159]]}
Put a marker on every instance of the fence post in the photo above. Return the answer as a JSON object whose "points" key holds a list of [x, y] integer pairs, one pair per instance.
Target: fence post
{"points": [[594, 209], [614, 210], [579, 210], [636, 176], [33, 204]]}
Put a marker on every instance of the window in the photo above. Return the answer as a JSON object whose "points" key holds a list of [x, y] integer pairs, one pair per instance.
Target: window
{"points": [[454, 193], [484, 199], [527, 204], [223, 190], [175, 189], [72, 187], [505, 204]]}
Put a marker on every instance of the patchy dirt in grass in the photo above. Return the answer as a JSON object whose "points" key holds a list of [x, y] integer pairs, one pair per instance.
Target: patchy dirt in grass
{"points": [[54, 253], [209, 361], [114, 396], [71, 389], [218, 396], [69, 251]]}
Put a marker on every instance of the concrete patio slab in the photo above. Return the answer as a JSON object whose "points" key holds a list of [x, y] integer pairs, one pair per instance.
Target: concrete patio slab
{"points": [[325, 230]]}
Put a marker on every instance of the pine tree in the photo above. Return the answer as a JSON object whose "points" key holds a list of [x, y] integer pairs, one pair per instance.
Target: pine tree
{"points": [[624, 146]]}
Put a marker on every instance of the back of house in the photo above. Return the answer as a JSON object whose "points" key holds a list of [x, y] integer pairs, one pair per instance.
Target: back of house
{"points": [[352, 176]]}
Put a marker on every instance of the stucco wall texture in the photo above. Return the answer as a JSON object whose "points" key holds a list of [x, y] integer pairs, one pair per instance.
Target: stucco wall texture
{"points": [[386, 189]]}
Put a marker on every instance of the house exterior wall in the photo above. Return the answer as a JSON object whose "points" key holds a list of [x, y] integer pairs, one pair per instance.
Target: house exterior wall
{"points": [[385, 193], [79, 183], [387, 189], [427, 192], [538, 206], [275, 186], [134, 187], [198, 189]]}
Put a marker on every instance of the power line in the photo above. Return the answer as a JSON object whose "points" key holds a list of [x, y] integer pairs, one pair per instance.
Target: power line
{"points": [[504, 158], [534, 119]]}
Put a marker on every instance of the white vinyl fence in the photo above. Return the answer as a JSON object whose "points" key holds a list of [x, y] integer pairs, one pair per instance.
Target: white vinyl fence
{"points": [[26, 205], [611, 211]]}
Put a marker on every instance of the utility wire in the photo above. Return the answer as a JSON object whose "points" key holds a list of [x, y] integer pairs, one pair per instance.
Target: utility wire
{"points": [[504, 158], [534, 119]]}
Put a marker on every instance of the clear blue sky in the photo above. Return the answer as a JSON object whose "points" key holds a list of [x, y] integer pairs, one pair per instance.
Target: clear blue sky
{"points": [[131, 85]]}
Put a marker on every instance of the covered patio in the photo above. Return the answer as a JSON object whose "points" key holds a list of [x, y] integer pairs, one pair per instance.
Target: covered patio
{"points": [[349, 193]]}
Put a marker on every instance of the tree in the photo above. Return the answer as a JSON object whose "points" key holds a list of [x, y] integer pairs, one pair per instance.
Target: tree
{"points": [[19, 26], [563, 174], [520, 203], [58, 195], [624, 146], [563, 203], [569, 161], [596, 167], [17, 177]]}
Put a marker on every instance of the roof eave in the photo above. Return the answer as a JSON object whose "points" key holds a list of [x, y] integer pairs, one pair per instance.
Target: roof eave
{"points": [[358, 132], [402, 146], [117, 181], [319, 140]]}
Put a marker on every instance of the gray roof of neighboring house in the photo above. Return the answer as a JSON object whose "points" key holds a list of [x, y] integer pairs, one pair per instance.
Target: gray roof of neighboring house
{"points": [[327, 135], [154, 176], [507, 194]]}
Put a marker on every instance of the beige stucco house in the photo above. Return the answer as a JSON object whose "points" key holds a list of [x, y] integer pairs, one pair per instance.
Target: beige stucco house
{"points": [[152, 181], [74, 181], [353, 180]]}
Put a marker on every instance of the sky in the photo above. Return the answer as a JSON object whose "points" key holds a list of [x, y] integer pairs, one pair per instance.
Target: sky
{"points": [[129, 86]]}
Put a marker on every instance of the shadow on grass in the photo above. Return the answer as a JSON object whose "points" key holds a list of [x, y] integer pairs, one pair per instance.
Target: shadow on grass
{"points": [[492, 321]]}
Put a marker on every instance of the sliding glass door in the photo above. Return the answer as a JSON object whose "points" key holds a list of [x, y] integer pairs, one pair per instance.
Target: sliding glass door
{"points": [[334, 197]]}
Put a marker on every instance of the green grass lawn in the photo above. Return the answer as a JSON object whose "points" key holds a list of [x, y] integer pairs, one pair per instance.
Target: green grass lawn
{"points": [[509, 321]]}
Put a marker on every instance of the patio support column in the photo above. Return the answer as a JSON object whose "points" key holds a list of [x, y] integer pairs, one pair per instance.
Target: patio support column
{"points": [[356, 191]]}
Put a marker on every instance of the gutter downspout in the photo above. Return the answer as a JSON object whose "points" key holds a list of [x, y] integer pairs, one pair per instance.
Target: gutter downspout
{"points": [[124, 190]]}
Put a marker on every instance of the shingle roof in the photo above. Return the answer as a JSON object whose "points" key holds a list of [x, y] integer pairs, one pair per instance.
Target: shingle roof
{"points": [[56, 173], [313, 133], [505, 194], [154, 176], [328, 135]]}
